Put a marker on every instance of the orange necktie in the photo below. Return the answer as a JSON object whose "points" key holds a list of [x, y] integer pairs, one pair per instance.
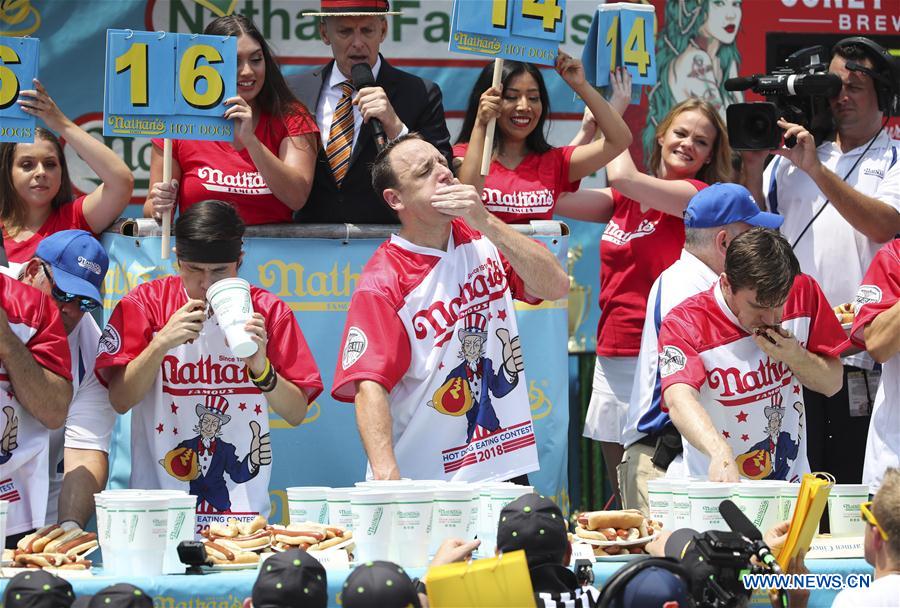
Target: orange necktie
{"points": [[340, 139]]}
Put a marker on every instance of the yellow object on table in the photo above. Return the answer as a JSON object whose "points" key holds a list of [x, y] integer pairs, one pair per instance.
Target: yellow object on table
{"points": [[499, 582], [811, 502]]}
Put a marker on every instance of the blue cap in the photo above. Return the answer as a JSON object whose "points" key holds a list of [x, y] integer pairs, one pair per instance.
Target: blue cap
{"points": [[722, 204], [78, 260], [653, 586]]}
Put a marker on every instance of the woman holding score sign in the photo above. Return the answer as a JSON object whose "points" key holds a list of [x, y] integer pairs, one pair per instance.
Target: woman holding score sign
{"points": [[267, 172], [527, 174], [643, 236], [36, 197]]}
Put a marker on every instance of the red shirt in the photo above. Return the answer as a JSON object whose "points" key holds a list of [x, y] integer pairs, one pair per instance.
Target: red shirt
{"points": [[636, 247], [529, 191], [67, 216], [215, 170]]}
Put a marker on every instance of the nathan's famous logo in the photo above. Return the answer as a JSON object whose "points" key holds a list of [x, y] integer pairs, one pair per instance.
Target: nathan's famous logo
{"points": [[479, 290], [204, 371], [474, 42], [136, 126], [19, 17], [293, 279], [769, 376], [135, 151], [423, 26]]}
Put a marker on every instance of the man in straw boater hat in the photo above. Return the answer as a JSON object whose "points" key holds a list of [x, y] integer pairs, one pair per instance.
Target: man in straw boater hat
{"points": [[401, 102], [163, 352]]}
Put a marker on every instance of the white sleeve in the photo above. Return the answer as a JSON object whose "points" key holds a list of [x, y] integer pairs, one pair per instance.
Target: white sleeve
{"points": [[91, 418], [888, 190]]}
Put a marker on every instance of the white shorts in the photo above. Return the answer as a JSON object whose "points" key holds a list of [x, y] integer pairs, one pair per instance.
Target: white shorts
{"points": [[607, 412]]}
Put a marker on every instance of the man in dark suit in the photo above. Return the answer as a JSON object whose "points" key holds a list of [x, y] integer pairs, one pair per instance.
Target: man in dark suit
{"points": [[342, 189]]}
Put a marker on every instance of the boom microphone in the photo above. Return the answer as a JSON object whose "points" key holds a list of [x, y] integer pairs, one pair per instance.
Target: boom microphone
{"points": [[361, 75], [740, 523]]}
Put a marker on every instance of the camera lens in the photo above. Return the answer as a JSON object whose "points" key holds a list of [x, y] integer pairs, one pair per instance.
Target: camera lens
{"points": [[753, 126]]}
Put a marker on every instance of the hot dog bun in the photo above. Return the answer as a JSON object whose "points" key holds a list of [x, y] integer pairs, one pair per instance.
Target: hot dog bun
{"points": [[596, 520]]}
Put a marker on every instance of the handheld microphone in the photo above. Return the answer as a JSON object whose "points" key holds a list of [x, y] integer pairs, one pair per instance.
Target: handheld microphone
{"points": [[361, 75], [740, 523]]}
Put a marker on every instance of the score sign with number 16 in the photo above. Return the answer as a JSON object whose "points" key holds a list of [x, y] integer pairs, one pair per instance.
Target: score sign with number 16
{"points": [[169, 85], [621, 35]]}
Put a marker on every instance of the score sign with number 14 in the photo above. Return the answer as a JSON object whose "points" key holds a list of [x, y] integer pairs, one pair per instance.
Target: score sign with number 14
{"points": [[523, 30], [169, 85], [621, 35]]}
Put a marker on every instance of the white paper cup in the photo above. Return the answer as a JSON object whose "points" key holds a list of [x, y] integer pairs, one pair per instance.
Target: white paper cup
{"points": [[705, 498], [453, 515], [844, 516], [104, 533], [411, 527], [308, 503], [230, 301], [787, 500], [659, 499], [137, 534], [488, 516], [372, 513], [681, 507], [339, 513], [759, 500], [181, 525]]}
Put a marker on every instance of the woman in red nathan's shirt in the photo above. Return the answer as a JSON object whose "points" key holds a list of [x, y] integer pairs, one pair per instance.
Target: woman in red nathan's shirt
{"points": [[527, 174], [267, 172], [644, 235], [36, 196]]}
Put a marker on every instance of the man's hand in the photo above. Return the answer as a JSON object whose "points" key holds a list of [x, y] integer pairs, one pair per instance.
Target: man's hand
{"points": [[460, 200], [779, 344], [373, 102], [722, 466], [776, 536], [454, 550], [184, 326], [260, 447], [803, 154], [511, 352]]}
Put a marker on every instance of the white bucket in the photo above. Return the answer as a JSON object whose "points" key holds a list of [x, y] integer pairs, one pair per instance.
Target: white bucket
{"points": [[659, 497], [308, 503], [705, 498], [411, 527], [844, 516]]}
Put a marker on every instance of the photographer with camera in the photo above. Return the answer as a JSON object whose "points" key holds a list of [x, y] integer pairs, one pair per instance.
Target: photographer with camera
{"points": [[840, 203]]}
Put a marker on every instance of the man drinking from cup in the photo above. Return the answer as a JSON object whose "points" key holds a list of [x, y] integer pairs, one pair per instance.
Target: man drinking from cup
{"points": [[166, 353]]}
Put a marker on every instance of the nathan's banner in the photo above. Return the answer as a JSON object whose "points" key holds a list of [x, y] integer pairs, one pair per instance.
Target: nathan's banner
{"points": [[18, 68], [316, 278], [160, 84], [523, 30], [621, 36]]}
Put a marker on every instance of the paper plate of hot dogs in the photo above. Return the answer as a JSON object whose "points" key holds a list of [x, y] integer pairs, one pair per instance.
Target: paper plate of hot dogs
{"points": [[616, 532]]}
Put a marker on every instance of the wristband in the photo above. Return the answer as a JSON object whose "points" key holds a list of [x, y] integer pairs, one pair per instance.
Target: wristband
{"points": [[264, 373], [266, 383]]}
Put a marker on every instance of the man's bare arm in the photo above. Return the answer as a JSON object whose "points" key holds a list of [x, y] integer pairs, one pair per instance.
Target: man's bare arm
{"points": [[373, 419]]}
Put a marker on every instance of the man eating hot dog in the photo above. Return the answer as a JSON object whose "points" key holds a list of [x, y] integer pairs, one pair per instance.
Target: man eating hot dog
{"points": [[733, 361], [201, 417]]}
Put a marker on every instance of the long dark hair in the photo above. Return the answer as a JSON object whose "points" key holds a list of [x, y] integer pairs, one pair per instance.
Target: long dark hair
{"points": [[12, 210], [536, 140], [275, 98]]}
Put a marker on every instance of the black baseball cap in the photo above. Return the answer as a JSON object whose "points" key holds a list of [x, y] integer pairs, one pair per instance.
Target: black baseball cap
{"points": [[379, 584], [120, 595], [38, 589], [291, 579], [535, 524]]}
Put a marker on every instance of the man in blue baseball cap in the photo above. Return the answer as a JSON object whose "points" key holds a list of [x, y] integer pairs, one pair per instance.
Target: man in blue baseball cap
{"points": [[69, 266], [714, 217]]}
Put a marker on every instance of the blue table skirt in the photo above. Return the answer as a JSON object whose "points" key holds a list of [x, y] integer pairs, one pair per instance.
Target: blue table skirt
{"points": [[228, 589]]}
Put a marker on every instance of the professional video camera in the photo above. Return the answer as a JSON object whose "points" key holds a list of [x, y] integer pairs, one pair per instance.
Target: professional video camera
{"points": [[799, 92], [709, 566]]}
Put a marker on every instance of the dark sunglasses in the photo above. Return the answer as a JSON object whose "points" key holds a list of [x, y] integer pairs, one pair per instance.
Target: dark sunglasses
{"points": [[85, 304]]}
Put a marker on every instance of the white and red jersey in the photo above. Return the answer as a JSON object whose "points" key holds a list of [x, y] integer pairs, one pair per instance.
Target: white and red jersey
{"points": [[91, 418], [170, 448], [454, 416], [528, 192], [880, 290], [25, 442], [636, 246], [215, 170], [755, 402]]}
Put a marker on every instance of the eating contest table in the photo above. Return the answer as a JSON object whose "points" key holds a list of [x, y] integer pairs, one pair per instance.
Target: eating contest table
{"points": [[227, 589]]}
